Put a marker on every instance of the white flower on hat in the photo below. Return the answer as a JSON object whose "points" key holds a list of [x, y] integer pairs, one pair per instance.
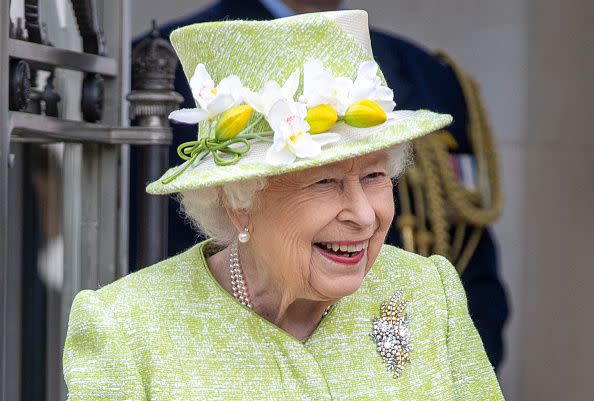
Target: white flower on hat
{"points": [[212, 100], [291, 134], [368, 85], [321, 87], [271, 93]]}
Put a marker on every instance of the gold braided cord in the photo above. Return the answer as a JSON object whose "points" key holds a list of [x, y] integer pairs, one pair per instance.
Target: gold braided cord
{"points": [[486, 211], [405, 220], [440, 200], [458, 240], [469, 248], [435, 205], [422, 235]]}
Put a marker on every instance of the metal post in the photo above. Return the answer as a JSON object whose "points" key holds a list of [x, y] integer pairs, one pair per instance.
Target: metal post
{"points": [[115, 20], [6, 388], [13, 328], [152, 99], [151, 211]]}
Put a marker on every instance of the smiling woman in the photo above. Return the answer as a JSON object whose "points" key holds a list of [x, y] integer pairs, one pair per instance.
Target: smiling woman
{"points": [[294, 294], [314, 235]]}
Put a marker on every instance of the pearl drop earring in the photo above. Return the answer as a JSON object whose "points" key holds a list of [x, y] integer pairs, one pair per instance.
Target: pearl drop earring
{"points": [[244, 236]]}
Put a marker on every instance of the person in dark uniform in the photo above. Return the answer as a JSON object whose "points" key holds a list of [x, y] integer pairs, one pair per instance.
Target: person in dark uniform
{"points": [[419, 80]]}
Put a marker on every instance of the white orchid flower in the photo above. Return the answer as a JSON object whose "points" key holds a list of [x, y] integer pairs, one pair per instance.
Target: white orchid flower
{"points": [[291, 134], [271, 93], [321, 87], [368, 85], [211, 100]]}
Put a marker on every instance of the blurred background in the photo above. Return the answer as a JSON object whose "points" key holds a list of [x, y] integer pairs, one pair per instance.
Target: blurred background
{"points": [[534, 62]]}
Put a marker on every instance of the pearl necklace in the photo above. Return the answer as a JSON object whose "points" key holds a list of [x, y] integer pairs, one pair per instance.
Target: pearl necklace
{"points": [[238, 285], [237, 281]]}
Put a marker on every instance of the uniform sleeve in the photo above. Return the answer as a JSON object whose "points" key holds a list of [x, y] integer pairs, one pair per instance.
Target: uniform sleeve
{"points": [[98, 365], [473, 375]]}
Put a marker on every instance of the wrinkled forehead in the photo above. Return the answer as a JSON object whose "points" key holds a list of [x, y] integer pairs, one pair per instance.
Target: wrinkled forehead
{"points": [[378, 158]]}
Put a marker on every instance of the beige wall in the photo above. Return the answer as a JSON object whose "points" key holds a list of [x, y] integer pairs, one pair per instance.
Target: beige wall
{"points": [[535, 62]]}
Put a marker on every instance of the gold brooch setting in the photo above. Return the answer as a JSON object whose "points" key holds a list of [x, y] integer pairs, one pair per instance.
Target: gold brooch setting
{"points": [[391, 335]]}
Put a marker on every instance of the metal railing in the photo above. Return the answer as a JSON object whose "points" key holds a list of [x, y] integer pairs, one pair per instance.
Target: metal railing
{"points": [[92, 191]]}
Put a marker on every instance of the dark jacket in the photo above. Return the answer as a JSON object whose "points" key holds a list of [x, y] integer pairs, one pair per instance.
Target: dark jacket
{"points": [[419, 80]]}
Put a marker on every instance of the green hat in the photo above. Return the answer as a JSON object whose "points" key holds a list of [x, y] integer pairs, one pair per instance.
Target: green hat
{"points": [[292, 94]]}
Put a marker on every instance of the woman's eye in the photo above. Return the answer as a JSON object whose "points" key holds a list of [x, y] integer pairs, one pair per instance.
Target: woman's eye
{"points": [[375, 175], [325, 181]]}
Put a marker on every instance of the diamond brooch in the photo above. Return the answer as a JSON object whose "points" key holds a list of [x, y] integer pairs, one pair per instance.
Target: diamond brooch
{"points": [[390, 334]]}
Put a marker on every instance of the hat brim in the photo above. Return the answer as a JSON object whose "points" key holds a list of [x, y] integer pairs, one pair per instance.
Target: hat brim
{"points": [[407, 125]]}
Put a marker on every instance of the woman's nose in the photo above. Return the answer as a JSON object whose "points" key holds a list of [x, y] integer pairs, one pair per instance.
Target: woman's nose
{"points": [[357, 207]]}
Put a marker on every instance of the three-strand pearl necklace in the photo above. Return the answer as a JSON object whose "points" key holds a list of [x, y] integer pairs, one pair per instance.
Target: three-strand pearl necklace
{"points": [[237, 281], [240, 291]]}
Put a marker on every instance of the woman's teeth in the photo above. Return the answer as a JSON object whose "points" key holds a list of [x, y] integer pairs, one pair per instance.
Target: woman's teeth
{"points": [[351, 248]]}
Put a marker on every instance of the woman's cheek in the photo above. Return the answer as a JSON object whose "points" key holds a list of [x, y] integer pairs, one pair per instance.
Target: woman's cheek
{"points": [[383, 200]]}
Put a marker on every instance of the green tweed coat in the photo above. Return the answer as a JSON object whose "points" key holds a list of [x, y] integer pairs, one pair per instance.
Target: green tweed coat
{"points": [[170, 332]]}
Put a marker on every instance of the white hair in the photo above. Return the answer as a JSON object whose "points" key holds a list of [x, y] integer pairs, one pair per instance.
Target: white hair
{"points": [[205, 208]]}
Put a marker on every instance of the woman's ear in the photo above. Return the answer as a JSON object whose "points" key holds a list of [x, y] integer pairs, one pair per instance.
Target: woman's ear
{"points": [[239, 217]]}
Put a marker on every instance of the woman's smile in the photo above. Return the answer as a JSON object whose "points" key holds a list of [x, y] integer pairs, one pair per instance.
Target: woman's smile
{"points": [[343, 252]]}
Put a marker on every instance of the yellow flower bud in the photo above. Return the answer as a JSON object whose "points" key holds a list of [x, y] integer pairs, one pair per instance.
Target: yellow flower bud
{"points": [[321, 118], [232, 122], [365, 113]]}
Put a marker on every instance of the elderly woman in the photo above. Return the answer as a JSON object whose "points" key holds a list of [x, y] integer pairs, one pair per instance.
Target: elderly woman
{"points": [[294, 295]]}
